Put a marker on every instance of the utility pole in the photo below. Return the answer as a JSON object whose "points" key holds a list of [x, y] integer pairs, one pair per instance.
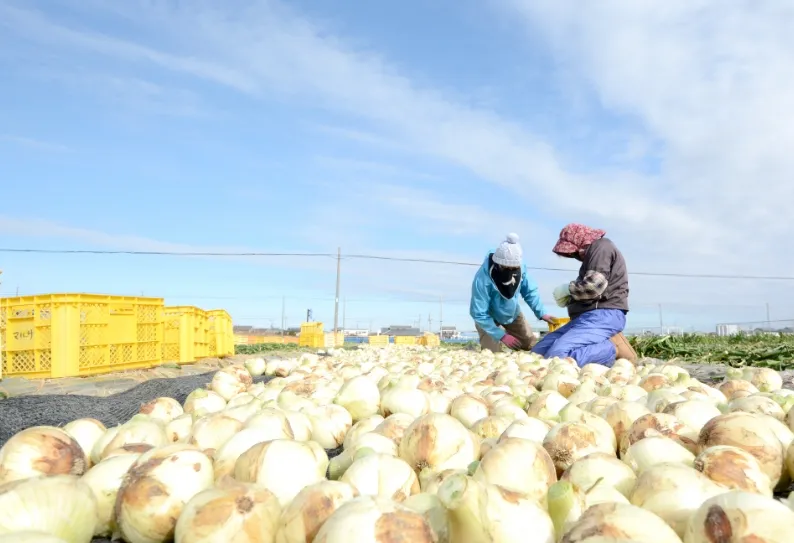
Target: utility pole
{"points": [[441, 317], [344, 314], [283, 315], [429, 322], [336, 299], [768, 320], [661, 321]]}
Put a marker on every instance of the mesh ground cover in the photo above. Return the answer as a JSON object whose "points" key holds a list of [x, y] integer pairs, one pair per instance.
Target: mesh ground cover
{"points": [[18, 413]]}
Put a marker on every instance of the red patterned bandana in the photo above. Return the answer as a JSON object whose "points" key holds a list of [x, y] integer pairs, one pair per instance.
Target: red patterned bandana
{"points": [[575, 238]]}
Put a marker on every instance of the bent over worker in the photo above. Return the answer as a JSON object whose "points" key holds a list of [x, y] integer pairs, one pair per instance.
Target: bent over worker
{"points": [[597, 301], [495, 299]]}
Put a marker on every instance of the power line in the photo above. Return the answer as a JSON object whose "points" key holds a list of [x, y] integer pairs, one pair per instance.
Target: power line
{"points": [[376, 257]]}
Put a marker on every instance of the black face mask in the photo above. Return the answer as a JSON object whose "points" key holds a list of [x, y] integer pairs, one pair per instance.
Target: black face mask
{"points": [[507, 280]]}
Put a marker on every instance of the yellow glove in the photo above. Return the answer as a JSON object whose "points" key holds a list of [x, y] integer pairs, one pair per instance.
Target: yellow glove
{"points": [[562, 295]]}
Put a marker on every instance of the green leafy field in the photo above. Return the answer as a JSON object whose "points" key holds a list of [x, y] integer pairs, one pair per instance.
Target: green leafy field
{"points": [[776, 351]]}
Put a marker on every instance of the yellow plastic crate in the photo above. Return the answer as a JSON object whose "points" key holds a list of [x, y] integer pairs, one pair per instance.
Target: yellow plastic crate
{"points": [[184, 336], [404, 340], [311, 328], [429, 340], [378, 341], [558, 323], [220, 337], [313, 340], [332, 340], [68, 335]]}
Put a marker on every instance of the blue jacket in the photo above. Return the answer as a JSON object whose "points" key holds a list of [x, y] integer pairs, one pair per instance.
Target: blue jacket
{"points": [[488, 306]]}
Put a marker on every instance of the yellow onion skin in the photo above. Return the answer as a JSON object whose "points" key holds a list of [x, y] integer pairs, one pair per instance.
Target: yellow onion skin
{"points": [[619, 523], [233, 512], [742, 517], [375, 520], [747, 431], [61, 505], [41, 450], [733, 468], [303, 518], [156, 489]]}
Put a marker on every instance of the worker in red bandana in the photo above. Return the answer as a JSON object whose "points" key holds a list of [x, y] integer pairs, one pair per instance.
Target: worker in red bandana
{"points": [[597, 301]]}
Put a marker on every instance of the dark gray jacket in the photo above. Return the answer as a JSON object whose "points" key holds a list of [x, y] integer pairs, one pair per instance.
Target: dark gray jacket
{"points": [[603, 281]]}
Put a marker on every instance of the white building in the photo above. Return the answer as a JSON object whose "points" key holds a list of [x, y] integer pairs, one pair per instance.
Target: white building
{"points": [[727, 329], [356, 333]]}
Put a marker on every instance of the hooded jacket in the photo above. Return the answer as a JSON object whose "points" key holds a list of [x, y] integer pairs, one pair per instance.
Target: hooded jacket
{"points": [[489, 308]]}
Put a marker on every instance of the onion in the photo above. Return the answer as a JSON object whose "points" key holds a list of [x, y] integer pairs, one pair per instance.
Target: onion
{"points": [[360, 396], [178, 430], [300, 424], [520, 466], [41, 450], [604, 468], [606, 437], [330, 423], [139, 429], [619, 523], [491, 426], [693, 414], [241, 399], [235, 511], [212, 431], [156, 489], [737, 388], [485, 512], [86, 432], [598, 406], [547, 405], [255, 366], [162, 409], [621, 415], [360, 428], [104, 480], [382, 475], [31, 536], [733, 468], [656, 450], [230, 381], [313, 505], [673, 492], [399, 398], [569, 441], [748, 432], [394, 426], [528, 428], [59, 505], [760, 405], [226, 456], [434, 513], [374, 520], [282, 466], [202, 401], [375, 442], [740, 516], [656, 424], [438, 442]]}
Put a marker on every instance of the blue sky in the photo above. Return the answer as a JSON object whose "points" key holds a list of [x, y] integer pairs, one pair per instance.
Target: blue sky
{"points": [[407, 129]]}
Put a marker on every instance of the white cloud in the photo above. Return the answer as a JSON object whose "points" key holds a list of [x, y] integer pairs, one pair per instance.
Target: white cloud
{"points": [[713, 103], [34, 143]]}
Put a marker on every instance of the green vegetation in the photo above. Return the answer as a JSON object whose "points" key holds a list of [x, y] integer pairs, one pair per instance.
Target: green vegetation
{"points": [[775, 351]]}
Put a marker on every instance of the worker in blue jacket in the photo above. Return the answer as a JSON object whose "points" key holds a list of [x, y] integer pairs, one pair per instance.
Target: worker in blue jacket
{"points": [[495, 299]]}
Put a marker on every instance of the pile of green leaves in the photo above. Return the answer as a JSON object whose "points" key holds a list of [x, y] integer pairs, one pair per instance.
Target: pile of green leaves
{"points": [[775, 351]]}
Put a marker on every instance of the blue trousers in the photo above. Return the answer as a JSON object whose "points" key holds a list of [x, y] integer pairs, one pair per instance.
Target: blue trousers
{"points": [[585, 338]]}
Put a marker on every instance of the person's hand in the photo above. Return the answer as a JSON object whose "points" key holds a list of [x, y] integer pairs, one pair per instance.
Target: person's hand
{"points": [[511, 341], [549, 319], [562, 295]]}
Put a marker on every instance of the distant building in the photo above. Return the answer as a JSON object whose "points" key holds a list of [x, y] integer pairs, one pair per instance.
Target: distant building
{"points": [[356, 333], [242, 330], [727, 329], [449, 332], [399, 330]]}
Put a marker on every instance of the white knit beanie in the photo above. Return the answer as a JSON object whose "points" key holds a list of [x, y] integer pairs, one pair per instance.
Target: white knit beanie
{"points": [[509, 252]]}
